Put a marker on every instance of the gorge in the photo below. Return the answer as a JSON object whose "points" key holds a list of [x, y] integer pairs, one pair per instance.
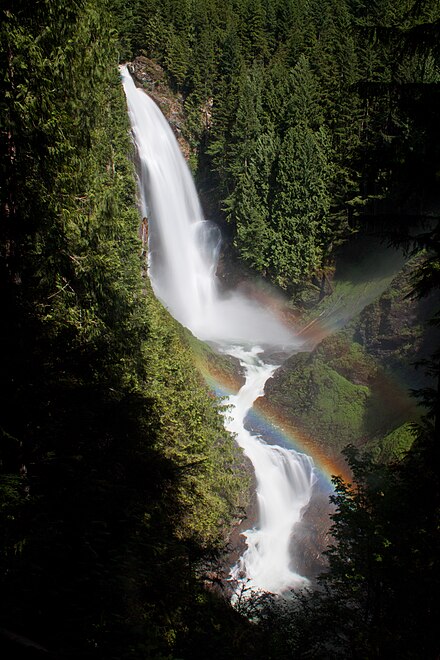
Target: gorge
{"points": [[182, 262], [312, 132]]}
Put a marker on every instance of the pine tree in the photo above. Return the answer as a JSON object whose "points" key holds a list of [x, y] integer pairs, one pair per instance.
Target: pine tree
{"points": [[301, 206], [251, 155]]}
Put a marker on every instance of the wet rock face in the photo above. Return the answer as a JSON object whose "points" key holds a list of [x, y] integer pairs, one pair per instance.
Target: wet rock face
{"points": [[394, 329], [311, 537], [147, 73]]}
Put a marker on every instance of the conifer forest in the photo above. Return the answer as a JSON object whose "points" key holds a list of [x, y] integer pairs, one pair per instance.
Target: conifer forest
{"points": [[312, 131]]}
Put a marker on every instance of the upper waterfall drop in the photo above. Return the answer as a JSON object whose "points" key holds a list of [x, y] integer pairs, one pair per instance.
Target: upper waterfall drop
{"points": [[183, 246]]}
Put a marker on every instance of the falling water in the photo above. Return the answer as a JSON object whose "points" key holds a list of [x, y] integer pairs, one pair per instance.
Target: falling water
{"points": [[285, 479], [183, 248]]}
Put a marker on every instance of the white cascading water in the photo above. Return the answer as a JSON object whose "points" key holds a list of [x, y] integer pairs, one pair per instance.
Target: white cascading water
{"points": [[183, 249], [285, 479]]}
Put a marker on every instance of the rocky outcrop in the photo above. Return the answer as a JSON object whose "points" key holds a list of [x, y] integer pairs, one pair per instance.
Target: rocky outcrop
{"points": [[395, 329], [353, 388], [152, 78]]}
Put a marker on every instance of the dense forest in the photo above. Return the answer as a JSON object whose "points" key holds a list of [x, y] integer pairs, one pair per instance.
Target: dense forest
{"points": [[319, 117], [309, 120]]}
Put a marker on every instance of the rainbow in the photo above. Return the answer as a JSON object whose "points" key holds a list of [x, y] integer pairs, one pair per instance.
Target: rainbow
{"points": [[279, 427]]}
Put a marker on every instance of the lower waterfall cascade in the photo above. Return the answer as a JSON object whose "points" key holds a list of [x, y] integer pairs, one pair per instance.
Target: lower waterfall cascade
{"points": [[183, 249]]}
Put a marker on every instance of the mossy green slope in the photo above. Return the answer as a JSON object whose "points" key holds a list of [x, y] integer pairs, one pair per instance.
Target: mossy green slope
{"points": [[353, 388]]}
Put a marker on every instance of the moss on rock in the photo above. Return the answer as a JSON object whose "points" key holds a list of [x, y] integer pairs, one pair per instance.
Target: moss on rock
{"points": [[394, 445], [353, 388]]}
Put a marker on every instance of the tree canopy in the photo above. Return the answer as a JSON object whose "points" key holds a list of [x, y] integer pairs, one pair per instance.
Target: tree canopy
{"points": [[365, 76], [116, 474]]}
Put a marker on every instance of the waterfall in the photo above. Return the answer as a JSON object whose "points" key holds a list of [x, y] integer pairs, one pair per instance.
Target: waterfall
{"points": [[183, 250], [284, 487]]}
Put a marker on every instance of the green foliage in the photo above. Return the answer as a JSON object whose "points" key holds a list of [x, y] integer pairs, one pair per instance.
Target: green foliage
{"points": [[362, 79], [301, 205], [340, 394], [117, 479], [191, 436], [394, 446], [325, 404]]}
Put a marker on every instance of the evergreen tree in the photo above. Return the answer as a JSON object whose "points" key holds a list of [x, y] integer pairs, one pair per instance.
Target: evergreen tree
{"points": [[105, 509], [249, 207], [301, 205]]}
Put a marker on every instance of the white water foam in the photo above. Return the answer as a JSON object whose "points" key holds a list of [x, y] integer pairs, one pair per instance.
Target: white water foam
{"points": [[183, 249], [285, 481]]}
